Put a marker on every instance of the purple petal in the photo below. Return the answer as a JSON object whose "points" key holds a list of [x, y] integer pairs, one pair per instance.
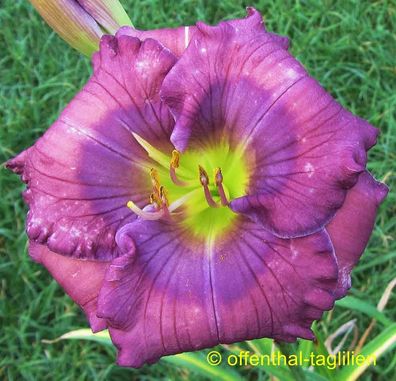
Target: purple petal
{"points": [[174, 39], [81, 279], [86, 167], [304, 150], [256, 23], [177, 39], [352, 226], [171, 292]]}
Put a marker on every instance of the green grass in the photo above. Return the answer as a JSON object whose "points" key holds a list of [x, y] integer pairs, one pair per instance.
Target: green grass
{"points": [[350, 46]]}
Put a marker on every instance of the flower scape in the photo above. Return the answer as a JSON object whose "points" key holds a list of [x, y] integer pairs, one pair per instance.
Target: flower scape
{"points": [[200, 189]]}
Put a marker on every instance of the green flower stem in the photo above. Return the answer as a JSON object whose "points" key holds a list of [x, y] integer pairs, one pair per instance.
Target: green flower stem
{"points": [[289, 349]]}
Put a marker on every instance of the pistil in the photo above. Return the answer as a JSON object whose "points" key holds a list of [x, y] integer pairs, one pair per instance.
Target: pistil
{"points": [[161, 206], [146, 215]]}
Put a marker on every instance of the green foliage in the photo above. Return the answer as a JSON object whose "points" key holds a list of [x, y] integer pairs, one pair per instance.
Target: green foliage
{"points": [[350, 46], [199, 364]]}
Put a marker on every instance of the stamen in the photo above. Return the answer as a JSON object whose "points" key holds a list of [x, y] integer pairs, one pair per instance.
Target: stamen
{"points": [[175, 160], [155, 180], [152, 216], [203, 176], [164, 196], [220, 189], [155, 200], [204, 179], [164, 201]]}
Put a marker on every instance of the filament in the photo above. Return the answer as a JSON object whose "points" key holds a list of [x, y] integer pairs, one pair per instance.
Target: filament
{"points": [[204, 180], [175, 160], [220, 189]]}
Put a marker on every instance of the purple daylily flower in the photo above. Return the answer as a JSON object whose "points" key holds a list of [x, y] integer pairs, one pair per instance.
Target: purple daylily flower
{"points": [[258, 249]]}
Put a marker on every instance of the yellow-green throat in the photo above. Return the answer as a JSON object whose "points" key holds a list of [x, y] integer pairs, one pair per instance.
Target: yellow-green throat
{"points": [[195, 188]]}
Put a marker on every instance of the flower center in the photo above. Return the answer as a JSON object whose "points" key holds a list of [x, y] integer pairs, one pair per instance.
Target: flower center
{"points": [[195, 188]]}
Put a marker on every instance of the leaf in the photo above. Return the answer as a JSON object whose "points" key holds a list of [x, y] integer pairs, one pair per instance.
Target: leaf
{"points": [[356, 304], [311, 376], [381, 344], [375, 262], [305, 348], [281, 371], [321, 350], [84, 334], [380, 307], [261, 346], [265, 347], [196, 362], [343, 331]]}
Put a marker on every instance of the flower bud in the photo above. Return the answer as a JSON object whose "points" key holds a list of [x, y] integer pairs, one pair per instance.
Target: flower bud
{"points": [[109, 14], [82, 23]]}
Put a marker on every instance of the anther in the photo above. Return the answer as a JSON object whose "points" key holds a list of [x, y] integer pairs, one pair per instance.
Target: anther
{"points": [[163, 196], [218, 176], [204, 180], [155, 200], [203, 176], [164, 201], [220, 189], [158, 200], [175, 160], [155, 179]]}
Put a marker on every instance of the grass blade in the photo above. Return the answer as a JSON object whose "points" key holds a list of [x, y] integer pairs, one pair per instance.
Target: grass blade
{"points": [[84, 334], [305, 347], [383, 343], [265, 347], [195, 362], [356, 304]]}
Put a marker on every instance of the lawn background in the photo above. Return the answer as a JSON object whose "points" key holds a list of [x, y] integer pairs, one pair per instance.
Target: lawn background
{"points": [[349, 46]]}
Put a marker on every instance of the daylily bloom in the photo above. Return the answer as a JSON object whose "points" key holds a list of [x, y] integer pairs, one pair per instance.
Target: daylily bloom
{"points": [[201, 188]]}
